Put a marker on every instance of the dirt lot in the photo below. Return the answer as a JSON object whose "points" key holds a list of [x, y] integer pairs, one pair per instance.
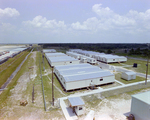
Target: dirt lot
{"points": [[111, 108]]}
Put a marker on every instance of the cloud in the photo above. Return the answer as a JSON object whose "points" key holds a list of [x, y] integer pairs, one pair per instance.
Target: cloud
{"points": [[102, 12], [42, 22], [107, 15], [7, 27], [107, 19], [89, 24], [9, 12], [142, 18]]}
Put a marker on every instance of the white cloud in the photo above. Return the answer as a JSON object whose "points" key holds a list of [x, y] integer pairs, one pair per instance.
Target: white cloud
{"points": [[89, 24], [142, 18], [9, 12], [42, 22], [102, 12], [106, 20], [7, 27]]}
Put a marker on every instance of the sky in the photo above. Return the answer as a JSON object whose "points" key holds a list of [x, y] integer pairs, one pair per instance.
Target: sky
{"points": [[74, 21]]}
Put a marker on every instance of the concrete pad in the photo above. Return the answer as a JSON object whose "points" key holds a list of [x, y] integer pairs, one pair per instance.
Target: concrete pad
{"points": [[69, 115], [103, 117]]}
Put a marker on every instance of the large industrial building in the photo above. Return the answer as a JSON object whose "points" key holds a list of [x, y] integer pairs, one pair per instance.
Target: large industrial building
{"points": [[82, 76]]}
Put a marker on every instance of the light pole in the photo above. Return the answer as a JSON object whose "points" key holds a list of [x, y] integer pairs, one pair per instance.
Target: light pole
{"points": [[52, 88], [147, 64]]}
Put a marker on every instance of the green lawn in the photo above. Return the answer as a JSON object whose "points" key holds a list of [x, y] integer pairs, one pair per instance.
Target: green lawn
{"points": [[32, 109], [5, 74], [6, 93], [135, 56], [141, 65], [118, 77]]}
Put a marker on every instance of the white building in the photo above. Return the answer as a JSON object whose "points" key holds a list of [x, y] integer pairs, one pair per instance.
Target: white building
{"points": [[90, 60], [82, 75], [49, 50], [140, 106], [130, 75], [83, 60], [112, 58], [106, 58], [55, 54], [61, 60], [75, 55], [11, 53], [77, 105]]}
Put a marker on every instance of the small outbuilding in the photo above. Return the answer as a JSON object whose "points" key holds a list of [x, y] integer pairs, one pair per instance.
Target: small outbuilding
{"points": [[130, 75], [140, 106], [77, 105]]}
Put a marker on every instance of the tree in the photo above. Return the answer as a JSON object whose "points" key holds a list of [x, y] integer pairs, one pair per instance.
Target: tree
{"points": [[131, 52], [109, 51]]}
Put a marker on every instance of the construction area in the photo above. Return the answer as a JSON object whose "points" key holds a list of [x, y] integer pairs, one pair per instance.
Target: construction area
{"points": [[77, 84]]}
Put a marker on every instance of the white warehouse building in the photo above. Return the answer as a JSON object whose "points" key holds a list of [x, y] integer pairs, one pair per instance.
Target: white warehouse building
{"points": [[57, 54], [90, 60], [75, 55], [113, 59], [82, 75], [49, 50], [61, 60], [102, 57]]}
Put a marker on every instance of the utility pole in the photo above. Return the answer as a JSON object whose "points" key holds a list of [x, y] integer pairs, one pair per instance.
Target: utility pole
{"points": [[146, 71], [147, 65], [43, 61], [52, 89]]}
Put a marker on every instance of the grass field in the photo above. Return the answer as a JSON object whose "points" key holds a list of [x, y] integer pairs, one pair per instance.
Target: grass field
{"points": [[141, 65], [21, 88], [135, 56], [15, 62], [6, 93]]}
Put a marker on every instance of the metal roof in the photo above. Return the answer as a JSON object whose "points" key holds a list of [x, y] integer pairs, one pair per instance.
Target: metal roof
{"points": [[113, 56], [76, 101], [55, 54], [62, 58], [80, 71], [74, 53], [130, 73], [49, 50], [11, 53], [144, 97], [86, 76], [72, 66], [18, 49]]}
